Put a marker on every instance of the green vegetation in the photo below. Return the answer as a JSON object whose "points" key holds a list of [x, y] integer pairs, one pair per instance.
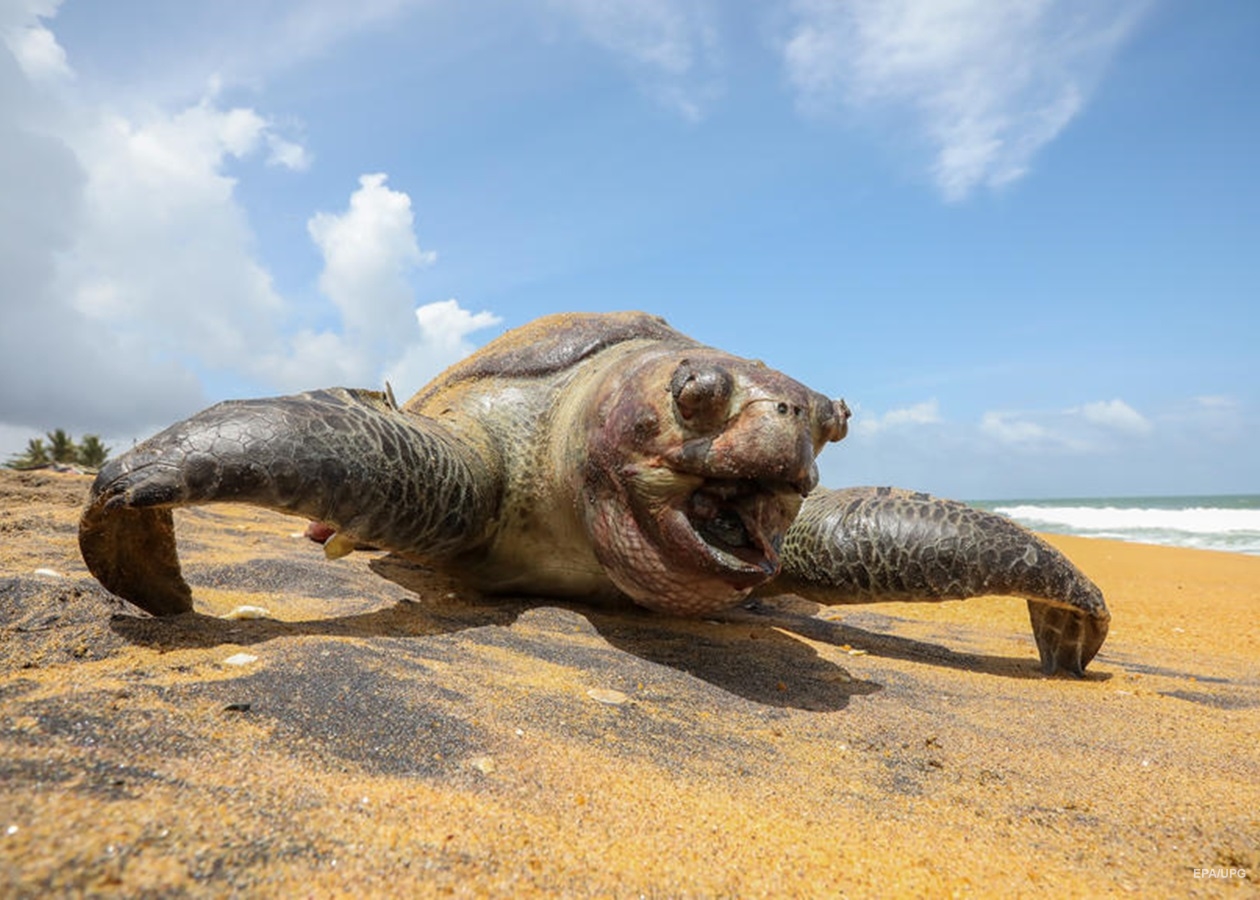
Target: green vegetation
{"points": [[36, 455], [61, 448], [92, 453]]}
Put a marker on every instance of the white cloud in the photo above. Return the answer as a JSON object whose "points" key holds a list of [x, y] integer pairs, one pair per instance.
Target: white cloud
{"points": [[251, 42], [1201, 445], [1117, 415], [1213, 419], [53, 359], [131, 270], [32, 44], [652, 32], [163, 253], [306, 28], [444, 328], [671, 44], [925, 413], [1008, 428], [1215, 401], [370, 252], [1099, 427], [988, 84], [287, 154]]}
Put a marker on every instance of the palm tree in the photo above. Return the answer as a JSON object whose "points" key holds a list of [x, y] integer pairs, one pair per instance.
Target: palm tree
{"points": [[61, 447], [36, 455], [92, 453]]}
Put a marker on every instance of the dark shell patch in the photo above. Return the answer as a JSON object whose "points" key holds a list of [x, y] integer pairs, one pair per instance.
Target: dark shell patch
{"points": [[555, 343]]}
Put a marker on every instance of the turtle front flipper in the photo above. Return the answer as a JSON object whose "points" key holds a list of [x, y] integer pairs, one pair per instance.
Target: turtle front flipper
{"points": [[345, 457], [866, 545]]}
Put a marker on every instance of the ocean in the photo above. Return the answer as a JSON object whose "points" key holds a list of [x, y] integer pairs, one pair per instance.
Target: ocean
{"points": [[1228, 522]]}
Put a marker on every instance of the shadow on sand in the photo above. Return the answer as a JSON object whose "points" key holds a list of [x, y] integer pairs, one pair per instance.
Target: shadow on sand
{"points": [[754, 652]]}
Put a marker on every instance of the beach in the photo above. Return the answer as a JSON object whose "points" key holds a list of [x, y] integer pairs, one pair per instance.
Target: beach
{"points": [[376, 732]]}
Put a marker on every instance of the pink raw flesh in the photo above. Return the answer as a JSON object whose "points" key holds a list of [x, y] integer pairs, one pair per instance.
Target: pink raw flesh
{"points": [[734, 518]]}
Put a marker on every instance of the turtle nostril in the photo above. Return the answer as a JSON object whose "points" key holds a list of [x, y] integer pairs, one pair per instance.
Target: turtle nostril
{"points": [[831, 418], [702, 394]]}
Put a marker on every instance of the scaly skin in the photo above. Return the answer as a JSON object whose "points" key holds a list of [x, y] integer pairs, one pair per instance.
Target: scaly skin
{"points": [[584, 455], [340, 456], [864, 545]]}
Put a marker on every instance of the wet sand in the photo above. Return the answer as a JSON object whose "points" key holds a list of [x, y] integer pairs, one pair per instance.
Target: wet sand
{"points": [[378, 733]]}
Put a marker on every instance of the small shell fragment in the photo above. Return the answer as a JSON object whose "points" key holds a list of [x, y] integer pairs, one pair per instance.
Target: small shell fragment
{"points": [[483, 764], [240, 659], [249, 612], [609, 697], [50, 573]]}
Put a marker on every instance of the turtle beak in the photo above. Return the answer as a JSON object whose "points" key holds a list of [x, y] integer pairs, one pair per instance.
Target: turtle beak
{"points": [[831, 420], [767, 441]]}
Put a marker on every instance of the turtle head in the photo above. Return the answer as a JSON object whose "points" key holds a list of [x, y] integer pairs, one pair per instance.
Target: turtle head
{"points": [[697, 464]]}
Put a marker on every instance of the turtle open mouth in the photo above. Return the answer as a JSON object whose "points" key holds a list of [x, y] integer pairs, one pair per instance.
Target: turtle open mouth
{"points": [[686, 543], [740, 518]]}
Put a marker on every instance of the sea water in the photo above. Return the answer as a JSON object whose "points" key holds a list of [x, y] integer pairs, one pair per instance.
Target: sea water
{"points": [[1226, 522]]}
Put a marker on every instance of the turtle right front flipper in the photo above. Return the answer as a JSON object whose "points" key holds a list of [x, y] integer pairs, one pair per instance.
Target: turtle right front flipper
{"points": [[345, 457], [863, 545]]}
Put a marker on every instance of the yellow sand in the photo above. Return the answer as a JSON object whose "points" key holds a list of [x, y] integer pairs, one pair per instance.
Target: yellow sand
{"points": [[445, 748]]}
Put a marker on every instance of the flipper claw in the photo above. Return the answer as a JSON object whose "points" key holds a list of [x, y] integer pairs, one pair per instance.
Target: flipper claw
{"points": [[132, 553], [1067, 639]]}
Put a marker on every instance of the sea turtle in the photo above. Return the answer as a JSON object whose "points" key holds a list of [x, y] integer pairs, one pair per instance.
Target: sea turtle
{"points": [[584, 456]]}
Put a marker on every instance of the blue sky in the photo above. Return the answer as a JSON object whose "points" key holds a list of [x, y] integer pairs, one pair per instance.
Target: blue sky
{"points": [[1021, 239]]}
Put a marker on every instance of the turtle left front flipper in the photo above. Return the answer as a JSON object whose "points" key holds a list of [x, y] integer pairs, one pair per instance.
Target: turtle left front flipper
{"points": [[347, 457], [864, 545]]}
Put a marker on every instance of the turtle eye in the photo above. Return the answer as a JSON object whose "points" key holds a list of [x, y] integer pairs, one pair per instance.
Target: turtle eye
{"points": [[702, 394]]}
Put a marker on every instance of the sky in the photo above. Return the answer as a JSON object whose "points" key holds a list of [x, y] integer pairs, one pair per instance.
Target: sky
{"points": [[1022, 240]]}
